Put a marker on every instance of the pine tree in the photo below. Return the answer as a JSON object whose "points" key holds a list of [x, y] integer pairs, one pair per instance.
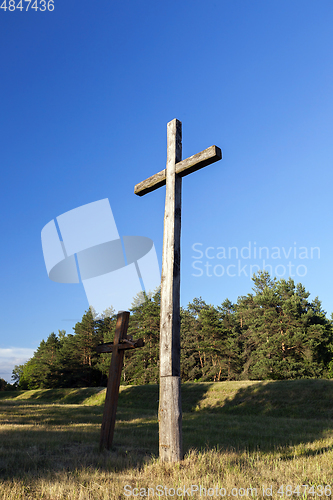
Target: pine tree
{"points": [[190, 365], [232, 345], [141, 366], [84, 342], [105, 326], [284, 335], [276, 333]]}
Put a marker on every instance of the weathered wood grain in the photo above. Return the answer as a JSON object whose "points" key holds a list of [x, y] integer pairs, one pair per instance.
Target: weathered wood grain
{"points": [[184, 167], [112, 391], [150, 184], [170, 435], [125, 344], [170, 282], [170, 420], [200, 160], [170, 413]]}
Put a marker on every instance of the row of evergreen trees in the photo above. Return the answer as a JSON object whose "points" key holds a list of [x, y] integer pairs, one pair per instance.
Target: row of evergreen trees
{"points": [[273, 333], [6, 386]]}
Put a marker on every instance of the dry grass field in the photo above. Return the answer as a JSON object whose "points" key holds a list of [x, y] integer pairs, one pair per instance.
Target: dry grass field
{"points": [[241, 439]]}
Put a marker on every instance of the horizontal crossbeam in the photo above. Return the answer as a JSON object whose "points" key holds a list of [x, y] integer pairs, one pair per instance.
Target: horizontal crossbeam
{"points": [[184, 167], [124, 344]]}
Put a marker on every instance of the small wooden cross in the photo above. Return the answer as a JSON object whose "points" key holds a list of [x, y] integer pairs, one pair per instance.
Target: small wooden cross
{"points": [[170, 412], [117, 347]]}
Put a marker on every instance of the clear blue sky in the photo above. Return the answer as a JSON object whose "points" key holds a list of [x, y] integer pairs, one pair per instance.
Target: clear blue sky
{"points": [[86, 92]]}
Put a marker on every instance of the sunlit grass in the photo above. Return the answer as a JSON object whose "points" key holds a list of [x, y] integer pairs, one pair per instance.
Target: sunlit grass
{"points": [[236, 435]]}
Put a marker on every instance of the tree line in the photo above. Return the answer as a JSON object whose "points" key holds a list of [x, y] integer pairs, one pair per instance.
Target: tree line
{"points": [[273, 333]]}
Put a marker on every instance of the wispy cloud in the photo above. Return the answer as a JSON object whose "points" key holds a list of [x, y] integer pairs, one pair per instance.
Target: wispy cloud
{"points": [[11, 357]]}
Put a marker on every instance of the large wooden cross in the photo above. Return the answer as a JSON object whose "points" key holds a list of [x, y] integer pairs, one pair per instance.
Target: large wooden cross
{"points": [[170, 412], [121, 342]]}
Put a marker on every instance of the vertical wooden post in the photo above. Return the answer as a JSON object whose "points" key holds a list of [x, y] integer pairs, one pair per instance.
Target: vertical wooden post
{"points": [[112, 391], [170, 412]]}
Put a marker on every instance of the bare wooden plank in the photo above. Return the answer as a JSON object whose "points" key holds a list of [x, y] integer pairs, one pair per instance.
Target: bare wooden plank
{"points": [[170, 420], [171, 450], [200, 160], [131, 344], [184, 167], [109, 346], [150, 184], [170, 415], [112, 391]]}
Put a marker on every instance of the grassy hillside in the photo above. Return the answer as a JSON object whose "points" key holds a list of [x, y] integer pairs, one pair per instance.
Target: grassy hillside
{"points": [[292, 398], [236, 435]]}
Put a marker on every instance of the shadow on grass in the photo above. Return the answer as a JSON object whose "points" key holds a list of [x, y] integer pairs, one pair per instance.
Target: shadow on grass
{"points": [[35, 449], [263, 416], [147, 396], [59, 396], [305, 398], [287, 455]]}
